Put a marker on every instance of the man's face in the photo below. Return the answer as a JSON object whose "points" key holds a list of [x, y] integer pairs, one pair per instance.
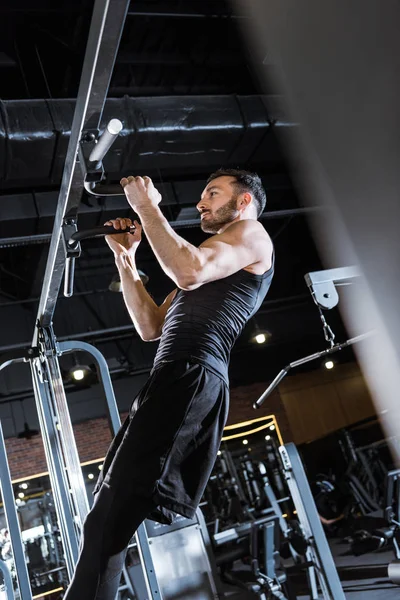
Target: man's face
{"points": [[218, 204]]}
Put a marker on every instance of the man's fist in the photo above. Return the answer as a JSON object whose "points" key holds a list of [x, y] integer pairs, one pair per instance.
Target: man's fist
{"points": [[124, 243], [140, 192]]}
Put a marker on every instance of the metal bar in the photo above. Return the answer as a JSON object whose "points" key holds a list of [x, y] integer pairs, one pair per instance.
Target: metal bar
{"points": [[104, 36], [318, 550], [55, 462], [141, 537], [104, 376], [12, 523], [304, 360], [76, 482]]}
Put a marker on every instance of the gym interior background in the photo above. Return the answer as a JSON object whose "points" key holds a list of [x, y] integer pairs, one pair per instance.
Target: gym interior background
{"points": [[186, 87]]}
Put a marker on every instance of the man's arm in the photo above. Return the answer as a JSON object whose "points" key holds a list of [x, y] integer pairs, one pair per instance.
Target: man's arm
{"points": [[147, 316], [242, 244]]}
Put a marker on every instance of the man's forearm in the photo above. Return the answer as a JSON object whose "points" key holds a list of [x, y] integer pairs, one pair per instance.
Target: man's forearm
{"points": [[142, 309], [179, 259]]}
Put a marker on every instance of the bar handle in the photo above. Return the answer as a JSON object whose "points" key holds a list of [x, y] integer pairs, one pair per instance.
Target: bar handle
{"points": [[69, 276], [105, 141]]}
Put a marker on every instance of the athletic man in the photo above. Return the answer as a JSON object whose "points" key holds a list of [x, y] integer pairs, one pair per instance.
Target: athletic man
{"points": [[160, 460]]}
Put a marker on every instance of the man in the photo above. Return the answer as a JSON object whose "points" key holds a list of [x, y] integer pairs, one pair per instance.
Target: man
{"points": [[160, 461]]}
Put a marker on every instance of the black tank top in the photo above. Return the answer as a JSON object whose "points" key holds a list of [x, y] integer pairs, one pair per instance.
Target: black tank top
{"points": [[202, 325]]}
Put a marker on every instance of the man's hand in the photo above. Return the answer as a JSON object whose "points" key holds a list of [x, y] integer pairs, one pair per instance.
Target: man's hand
{"points": [[124, 243], [140, 192]]}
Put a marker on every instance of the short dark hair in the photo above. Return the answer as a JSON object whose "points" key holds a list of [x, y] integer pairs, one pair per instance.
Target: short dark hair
{"points": [[246, 181]]}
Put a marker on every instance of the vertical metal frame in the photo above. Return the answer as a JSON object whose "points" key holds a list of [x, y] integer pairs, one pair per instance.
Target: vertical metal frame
{"points": [[105, 32], [56, 464], [13, 527], [318, 550], [71, 503]]}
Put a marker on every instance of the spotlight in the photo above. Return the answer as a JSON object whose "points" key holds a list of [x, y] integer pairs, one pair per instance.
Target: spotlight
{"points": [[219, 453], [23, 486], [267, 437], [21, 495], [261, 337], [116, 286], [90, 476], [329, 364], [79, 372], [245, 442], [272, 427]]}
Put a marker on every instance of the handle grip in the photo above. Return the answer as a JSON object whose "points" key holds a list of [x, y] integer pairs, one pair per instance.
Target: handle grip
{"points": [[97, 232]]}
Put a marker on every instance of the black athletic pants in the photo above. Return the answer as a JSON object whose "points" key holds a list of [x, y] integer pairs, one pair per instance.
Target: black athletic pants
{"points": [[159, 462], [107, 531]]}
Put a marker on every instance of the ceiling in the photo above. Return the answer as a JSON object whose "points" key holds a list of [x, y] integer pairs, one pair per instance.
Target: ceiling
{"points": [[187, 90]]}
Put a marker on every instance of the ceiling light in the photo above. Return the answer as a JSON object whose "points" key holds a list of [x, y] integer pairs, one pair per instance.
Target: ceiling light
{"points": [[329, 364], [79, 372], [272, 427], [245, 442], [90, 476], [267, 437], [21, 495], [260, 338]]}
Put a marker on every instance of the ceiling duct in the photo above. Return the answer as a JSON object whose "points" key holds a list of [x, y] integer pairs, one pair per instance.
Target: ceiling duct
{"points": [[159, 133]]}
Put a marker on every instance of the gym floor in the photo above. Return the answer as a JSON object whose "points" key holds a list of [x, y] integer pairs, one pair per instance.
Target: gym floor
{"points": [[363, 576]]}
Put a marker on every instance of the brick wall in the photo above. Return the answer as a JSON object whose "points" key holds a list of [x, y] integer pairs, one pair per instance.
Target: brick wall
{"points": [[26, 457]]}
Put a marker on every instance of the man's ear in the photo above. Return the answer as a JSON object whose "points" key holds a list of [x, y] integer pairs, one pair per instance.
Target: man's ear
{"points": [[245, 200]]}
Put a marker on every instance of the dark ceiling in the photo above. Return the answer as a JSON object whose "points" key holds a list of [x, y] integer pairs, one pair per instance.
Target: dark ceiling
{"points": [[176, 58]]}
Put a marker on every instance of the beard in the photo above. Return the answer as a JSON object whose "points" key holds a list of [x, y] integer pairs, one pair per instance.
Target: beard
{"points": [[222, 216]]}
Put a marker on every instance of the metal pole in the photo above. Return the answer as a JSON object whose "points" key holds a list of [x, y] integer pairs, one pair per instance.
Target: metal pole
{"points": [[318, 547], [301, 361], [66, 434], [55, 462], [13, 525], [104, 36]]}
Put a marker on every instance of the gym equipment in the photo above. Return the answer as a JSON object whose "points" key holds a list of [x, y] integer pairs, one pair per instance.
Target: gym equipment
{"points": [[322, 287], [182, 557], [318, 551], [257, 492], [13, 528]]}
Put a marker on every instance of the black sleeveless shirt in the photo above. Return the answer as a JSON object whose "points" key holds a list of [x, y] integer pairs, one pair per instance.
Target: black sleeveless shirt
{"points": [[203, 324]]}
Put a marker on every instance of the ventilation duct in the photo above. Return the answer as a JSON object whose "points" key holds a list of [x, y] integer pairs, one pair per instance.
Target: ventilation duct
{"points": [[159, 133]]}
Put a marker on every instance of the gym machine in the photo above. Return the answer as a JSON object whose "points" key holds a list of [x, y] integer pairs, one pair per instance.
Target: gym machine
{"points": [[322, 286], [276, 527]]}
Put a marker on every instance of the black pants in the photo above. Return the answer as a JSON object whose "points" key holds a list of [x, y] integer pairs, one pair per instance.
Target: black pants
{"points": [[107, 531], [157, 465]]}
